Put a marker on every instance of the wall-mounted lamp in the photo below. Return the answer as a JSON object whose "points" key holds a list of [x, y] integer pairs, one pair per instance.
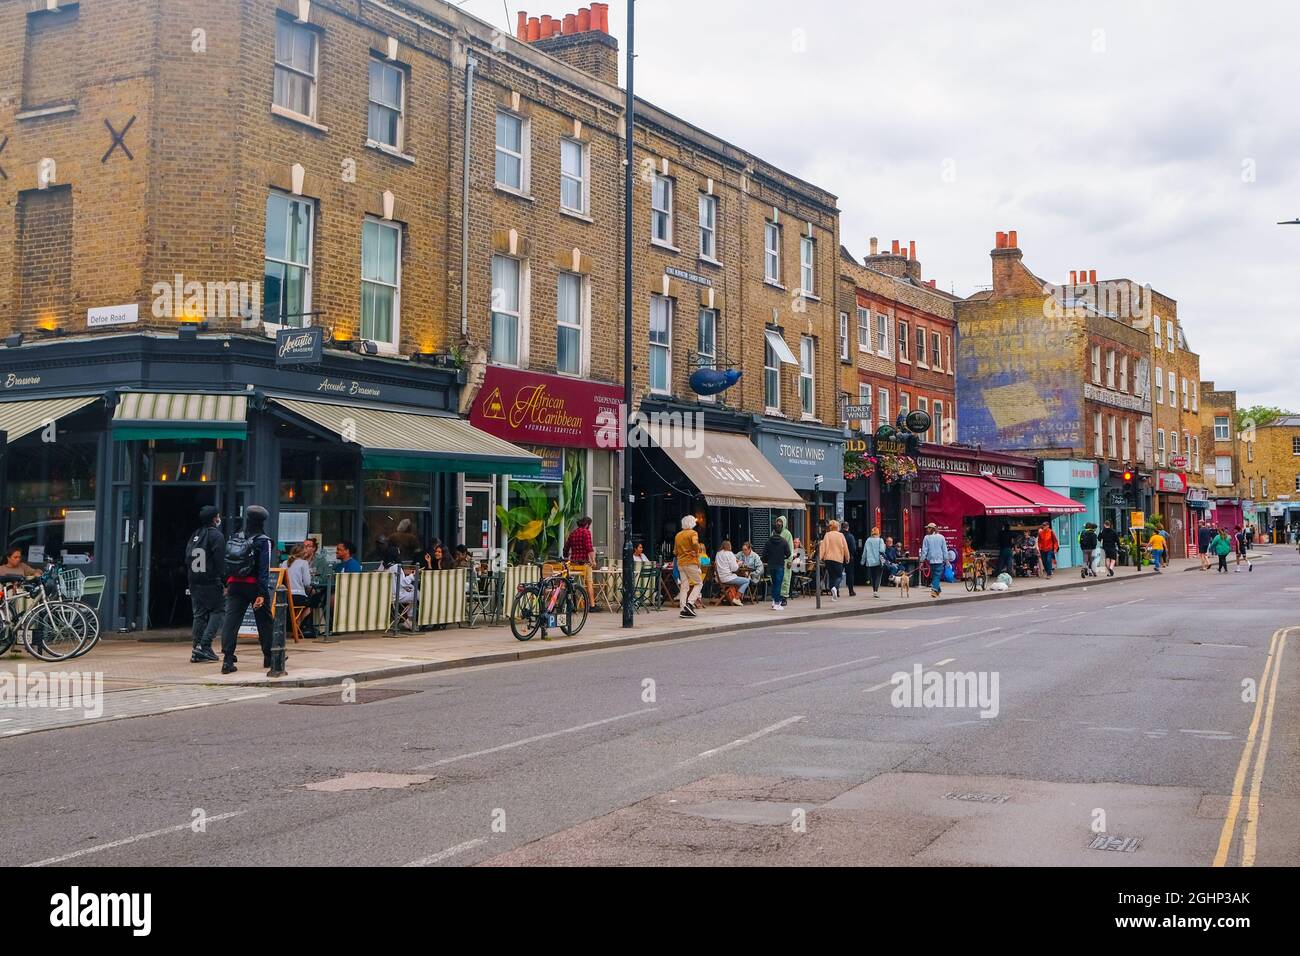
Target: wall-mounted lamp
{"points": [[366, 347], [50, 331], [14, 341]]}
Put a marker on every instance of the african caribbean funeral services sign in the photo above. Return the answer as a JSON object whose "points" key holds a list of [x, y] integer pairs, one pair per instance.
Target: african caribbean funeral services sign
{"points": [[527, 408]]}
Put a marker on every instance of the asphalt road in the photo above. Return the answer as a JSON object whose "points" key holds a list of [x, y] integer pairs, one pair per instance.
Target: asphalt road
{"points": [[1118, 739]]}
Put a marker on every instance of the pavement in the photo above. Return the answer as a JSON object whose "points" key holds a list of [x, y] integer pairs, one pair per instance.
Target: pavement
{"points": [[141, 677], [1148, 724]]}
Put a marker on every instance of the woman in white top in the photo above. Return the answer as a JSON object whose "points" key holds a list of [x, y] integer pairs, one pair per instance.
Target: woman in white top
{"points": [[797, 562], [403, 583], [638, 554]]}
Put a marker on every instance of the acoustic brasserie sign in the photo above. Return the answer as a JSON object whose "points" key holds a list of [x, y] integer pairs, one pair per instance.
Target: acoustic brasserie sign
{"points": [[524, 407], [299, 346]]}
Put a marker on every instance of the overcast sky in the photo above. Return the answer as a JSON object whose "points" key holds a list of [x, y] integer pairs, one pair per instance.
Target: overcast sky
{"points": [[1156, 141]]}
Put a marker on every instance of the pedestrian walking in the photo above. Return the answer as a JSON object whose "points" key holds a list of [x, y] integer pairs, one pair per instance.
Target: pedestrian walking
{"points": [[1088, 544], [851, 568], [1239, 540], [1221, 547], [1048, 547], [1157, 545], [686, 552], [205, 562], [1006, 550], [776, 554], [784, 532], [873, 557], [248, 584], [1110, 547], [1205, 536], [834, 551], [934, 552]]}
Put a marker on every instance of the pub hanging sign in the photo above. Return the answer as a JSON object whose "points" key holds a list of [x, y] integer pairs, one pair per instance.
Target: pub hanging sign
{"points": [[299, 346]]}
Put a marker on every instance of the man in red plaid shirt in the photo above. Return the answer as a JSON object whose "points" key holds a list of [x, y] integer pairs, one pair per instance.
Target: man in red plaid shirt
{"points": [[578, 547]]}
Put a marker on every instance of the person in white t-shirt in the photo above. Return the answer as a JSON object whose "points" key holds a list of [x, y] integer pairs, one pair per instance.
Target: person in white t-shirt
{"points": [[727, 565]]}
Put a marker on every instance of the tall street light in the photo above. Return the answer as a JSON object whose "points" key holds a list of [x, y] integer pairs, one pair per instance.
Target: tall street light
{"points": [[629, 597]]}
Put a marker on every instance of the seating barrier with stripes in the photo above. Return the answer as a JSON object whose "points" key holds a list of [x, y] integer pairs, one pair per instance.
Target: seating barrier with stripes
{"points": [[362, 602], [442, 597]]}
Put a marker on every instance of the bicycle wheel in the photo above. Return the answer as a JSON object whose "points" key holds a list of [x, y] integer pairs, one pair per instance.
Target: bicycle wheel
{"points": [[574, 613], [94, 628], [8, 634], [53, 631], [969, 579], [526, 613]]}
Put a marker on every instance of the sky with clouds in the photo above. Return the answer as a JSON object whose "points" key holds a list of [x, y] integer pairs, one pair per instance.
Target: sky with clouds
{"points": [[1156, 141]]}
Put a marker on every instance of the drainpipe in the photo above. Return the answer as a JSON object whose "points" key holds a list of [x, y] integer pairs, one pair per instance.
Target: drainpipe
{"points": [[470, 64]]}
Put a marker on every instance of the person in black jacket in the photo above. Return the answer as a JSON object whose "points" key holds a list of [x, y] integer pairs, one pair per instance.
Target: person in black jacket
{"points": [[248, 584], [1088, 544], [1109, 539], [205, 562], [775, 554], [850, 569]]}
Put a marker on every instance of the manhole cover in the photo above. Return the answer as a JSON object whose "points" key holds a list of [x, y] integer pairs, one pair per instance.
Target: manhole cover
{"points": [[359, 695], [1116, 844], [975, 797]]}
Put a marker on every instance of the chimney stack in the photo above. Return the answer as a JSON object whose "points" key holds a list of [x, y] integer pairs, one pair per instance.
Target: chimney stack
{"points": [[580, 39], [875, 243]]}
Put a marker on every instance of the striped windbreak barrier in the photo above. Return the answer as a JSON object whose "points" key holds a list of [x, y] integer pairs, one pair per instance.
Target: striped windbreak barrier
{"points": [[442, 597], [362, 602]]}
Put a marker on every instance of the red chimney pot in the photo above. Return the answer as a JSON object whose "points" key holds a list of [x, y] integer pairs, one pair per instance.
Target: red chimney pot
{"points": [[534, 29], [600, 14], [1000, 242], [1074, 277], [1092, 276], [570, 23], [521, 29], [584, 19], [1011, 240], [894, 248], [911, 249]]}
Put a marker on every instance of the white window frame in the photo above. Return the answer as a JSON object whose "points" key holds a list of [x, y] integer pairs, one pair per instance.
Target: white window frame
{"points": [[666, 346], [1173, 389], [525, 150], [1096, 365], [298, 29], [808, 265], [304, 320], [1196, 454], [1123, 373], [936, 351], [1186, 404], [844, 336], [708, 233], [1096, 434], [1222, 470], [1112, 446], [1160, 385], [882, 405], [947, 345], [864, 329], [771, 252], [937, 405], [582, 325], [1169, 335], [922, 345], [1160, 447], [1196, 398], [1173, 444], [1156, 327], [1125, 443], [923, 405], [771, 379], [662, 215], [904, 342], [808, 376], [400, 108], [583, 179], [496, 308], [1295, 446], [706, 357], [396, 286], [883, 342], [1226, 434], [1110, 368]]}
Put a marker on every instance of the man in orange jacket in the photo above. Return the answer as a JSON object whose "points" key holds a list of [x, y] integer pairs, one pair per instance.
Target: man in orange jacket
{"points": [[1048, 546]]}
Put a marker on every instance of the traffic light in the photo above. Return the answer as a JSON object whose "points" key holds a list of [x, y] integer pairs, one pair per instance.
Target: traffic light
{"points": [[1128, 484]]}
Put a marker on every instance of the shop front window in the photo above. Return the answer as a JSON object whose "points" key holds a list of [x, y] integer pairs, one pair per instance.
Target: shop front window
{"points": [[396, 514], [318, 497], [51, 500]]}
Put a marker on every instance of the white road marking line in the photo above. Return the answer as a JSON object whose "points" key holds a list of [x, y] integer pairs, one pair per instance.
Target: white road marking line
{"points": [[231, 700], [447, 853], [1075, 614], [1125, 730], [1208, 644], [1123, 603], [817, 670], [5, 720], [747, 739], [133, 839], [945, 640], [878, 686], [533, 740], [11, 733], [1002, 640], [206, 703], [946, 660], [1217, 733]]}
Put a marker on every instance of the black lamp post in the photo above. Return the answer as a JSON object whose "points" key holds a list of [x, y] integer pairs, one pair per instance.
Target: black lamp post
{"points": [[629, 597]]}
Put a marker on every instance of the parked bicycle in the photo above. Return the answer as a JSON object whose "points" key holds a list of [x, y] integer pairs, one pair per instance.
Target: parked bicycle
{"points": [[50, 627], [557, 600], [975, 572]]}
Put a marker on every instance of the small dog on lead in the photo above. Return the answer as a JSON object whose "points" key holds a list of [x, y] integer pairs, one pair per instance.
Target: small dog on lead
{"points": [[903, 582]]}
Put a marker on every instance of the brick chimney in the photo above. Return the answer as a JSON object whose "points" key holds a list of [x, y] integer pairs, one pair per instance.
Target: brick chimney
{"points": [[900, 261], [582, 40], [1010, 277]]}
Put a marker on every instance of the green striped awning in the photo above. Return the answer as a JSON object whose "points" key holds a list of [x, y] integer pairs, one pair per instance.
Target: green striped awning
{"points": [[22, 418], [410, 440], [141, 415]]}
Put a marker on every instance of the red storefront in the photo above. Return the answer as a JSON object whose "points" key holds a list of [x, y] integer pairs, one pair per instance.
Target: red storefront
{"points": [[1171, 503], [969, 494]]}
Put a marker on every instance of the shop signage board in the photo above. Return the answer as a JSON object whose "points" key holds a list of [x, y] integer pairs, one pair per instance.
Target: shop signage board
{"points": [[112, 315], [1178, 461], [1171, 482], [1137, 519], [800, 459], [552, 465], [299, 346], [967, 466], [527, 408], [889, 446], [857, 413], [692, 277]]}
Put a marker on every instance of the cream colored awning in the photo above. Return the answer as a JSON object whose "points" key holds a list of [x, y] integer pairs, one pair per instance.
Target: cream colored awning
{"points": [[24, 417], [728, 470], [141, 415], [404, 439]]}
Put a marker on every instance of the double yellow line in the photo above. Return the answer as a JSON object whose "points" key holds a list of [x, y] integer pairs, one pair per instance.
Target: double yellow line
{"points": [[1267, 689]]}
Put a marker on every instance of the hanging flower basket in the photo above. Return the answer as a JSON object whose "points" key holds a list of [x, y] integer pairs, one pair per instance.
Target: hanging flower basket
{"points": [[859, 465], [896, 468]]}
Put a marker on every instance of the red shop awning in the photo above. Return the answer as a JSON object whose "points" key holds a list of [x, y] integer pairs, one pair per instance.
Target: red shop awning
{"points": [[1048, 501], [975, 495]]}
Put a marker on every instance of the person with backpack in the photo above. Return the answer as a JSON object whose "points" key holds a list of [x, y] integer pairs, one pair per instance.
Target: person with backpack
{"points": [[1088, 543], [205, 562], [1204, 542], [1222, 547], [248, 584], [1240, 540]]}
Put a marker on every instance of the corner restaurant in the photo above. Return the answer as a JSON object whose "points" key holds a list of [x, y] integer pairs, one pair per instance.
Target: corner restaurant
{"points": [[115, 442], [970, 494]]}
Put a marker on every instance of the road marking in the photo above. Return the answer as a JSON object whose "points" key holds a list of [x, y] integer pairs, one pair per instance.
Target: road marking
{"points": [[945, 640], [1002, 640], [1123, 604], [5, 720], [1124, 730], [876, 687], [1239, 779], [205, 703], [532, 740], [946, 660], [817, 670], [231, 700], [132, 839], [1252, 807], [447, 853], [1208, 644], [740, 742]]}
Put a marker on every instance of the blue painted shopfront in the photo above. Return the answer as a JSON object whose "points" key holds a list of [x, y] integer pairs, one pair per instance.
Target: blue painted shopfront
{"points": [[1078, 480]]}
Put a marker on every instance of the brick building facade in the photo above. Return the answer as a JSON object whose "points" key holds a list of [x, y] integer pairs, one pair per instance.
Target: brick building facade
{"points": [[1270, 474]]}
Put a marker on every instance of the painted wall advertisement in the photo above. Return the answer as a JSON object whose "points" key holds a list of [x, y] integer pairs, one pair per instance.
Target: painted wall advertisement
{"points": [[1018, 383]]}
